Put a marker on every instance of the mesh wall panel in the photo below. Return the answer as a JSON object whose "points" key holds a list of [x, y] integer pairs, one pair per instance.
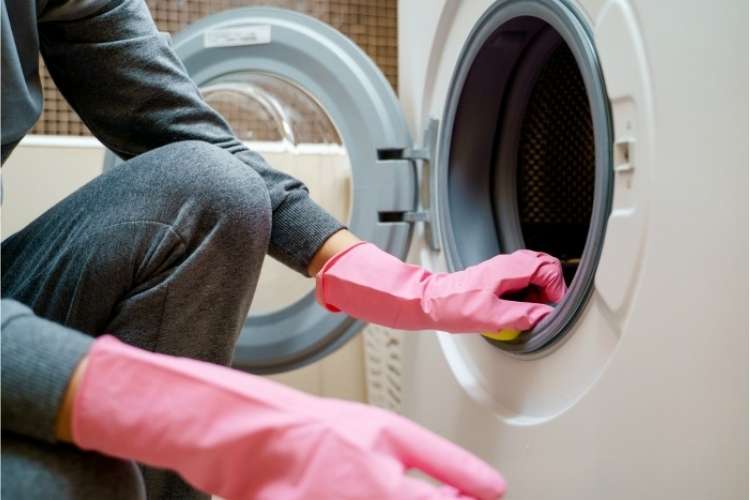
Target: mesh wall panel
{"points": [[369, 23], [556, 152], [556, 163]]}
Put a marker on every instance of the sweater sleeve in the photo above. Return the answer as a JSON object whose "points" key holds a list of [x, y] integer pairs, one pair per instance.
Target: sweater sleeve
{"points": [[121, 76], [38, 359]]}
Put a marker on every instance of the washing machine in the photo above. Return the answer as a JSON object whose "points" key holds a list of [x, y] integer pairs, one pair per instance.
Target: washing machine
{"points": [[609, 133]]}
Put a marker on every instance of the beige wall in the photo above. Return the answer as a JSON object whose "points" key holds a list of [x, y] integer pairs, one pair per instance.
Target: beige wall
{"points": [[35, 178], [43, 170]]}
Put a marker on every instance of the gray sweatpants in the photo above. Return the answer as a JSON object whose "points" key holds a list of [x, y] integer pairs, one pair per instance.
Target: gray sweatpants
{"points": [[164, 252]]}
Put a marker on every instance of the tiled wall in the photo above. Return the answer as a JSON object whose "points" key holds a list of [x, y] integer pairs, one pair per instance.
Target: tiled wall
{"points": [[369, 23]]}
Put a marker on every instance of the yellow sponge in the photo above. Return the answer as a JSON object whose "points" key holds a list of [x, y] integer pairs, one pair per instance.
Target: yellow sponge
{"points": [[505, 335]]}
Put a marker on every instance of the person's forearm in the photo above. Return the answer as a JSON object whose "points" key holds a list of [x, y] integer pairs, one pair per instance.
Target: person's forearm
{"points": [[339, 241]]}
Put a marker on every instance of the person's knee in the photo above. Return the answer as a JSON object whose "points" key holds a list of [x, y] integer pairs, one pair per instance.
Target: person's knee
{"points": [[230, 195], [32, 469]]}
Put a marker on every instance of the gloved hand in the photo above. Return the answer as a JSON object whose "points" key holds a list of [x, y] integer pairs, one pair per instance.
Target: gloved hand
{"points": [[244, 437], [367, 283]]}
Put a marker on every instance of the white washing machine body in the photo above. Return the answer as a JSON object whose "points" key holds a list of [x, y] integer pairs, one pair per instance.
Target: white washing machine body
{"points": [[646, 395]]}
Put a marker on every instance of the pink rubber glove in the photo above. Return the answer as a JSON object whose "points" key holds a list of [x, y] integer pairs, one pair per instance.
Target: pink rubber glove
{"points": [[367, 283], [244, 437]]}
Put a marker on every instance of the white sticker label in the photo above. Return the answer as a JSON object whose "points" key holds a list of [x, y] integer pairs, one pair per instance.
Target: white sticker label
{"points": [[233, 37]]}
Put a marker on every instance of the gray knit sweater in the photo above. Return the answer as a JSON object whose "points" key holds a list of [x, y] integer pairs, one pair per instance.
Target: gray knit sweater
{"points": [[120, 75]]}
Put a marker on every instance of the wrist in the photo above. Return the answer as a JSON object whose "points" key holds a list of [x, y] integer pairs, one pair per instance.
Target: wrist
{"points": [[64, 422], [339, 241], [321, 274]]}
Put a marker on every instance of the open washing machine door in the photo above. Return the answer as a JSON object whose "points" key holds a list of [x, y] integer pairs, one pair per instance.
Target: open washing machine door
{"points": [[294, 85]]}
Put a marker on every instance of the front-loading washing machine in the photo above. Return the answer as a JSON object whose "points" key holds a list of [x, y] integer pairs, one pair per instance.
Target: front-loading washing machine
{"points": [[609, 133]]}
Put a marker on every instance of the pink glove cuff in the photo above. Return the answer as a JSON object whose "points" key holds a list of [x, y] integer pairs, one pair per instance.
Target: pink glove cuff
{"points": [[320, 282]]}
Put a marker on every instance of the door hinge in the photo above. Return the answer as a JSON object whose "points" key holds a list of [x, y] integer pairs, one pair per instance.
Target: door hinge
{"points": [[423, 156]]}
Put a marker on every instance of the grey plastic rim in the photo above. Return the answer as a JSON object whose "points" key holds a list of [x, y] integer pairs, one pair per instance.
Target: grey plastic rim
{"points": [[474, 105], [365, 110]]}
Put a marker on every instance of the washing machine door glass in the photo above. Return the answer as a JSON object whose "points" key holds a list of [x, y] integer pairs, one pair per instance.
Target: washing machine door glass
{"points": [[296, 135], [314, 105]]}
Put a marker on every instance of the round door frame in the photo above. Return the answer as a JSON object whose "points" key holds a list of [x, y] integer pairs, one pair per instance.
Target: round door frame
{"points": [[455, 216], [364, 108]]}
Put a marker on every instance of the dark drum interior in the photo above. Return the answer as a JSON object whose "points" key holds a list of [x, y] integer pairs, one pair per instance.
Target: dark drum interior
{"points": [[555, 162]]}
